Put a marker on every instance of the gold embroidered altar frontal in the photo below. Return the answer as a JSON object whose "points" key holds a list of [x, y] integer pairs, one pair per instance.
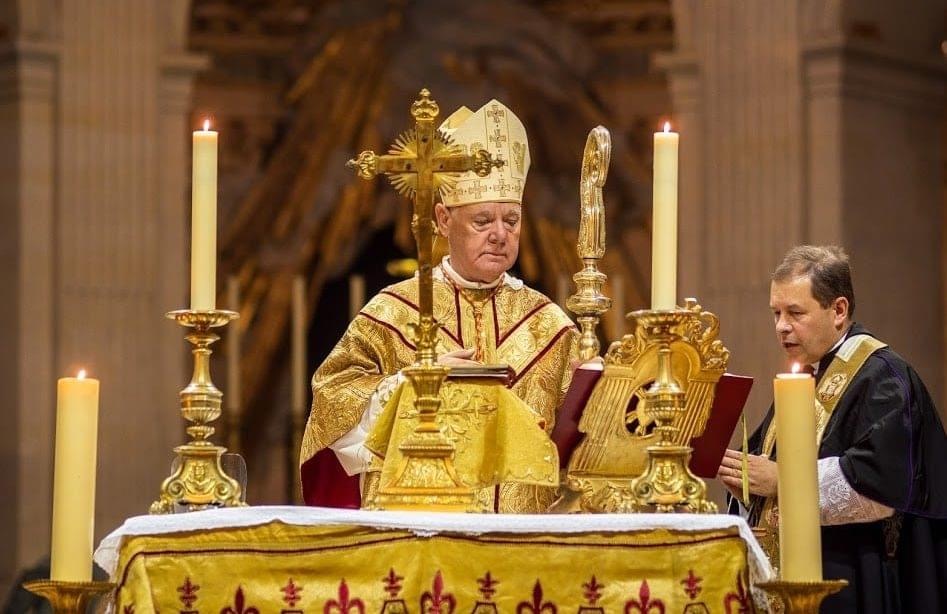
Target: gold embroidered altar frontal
{"points": [[354, 569]]}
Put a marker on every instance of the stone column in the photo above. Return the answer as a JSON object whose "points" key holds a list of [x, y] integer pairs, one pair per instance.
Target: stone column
{"points": [[95, 109], [28, 95], [875, 94], [796, 129], [737, 96]]}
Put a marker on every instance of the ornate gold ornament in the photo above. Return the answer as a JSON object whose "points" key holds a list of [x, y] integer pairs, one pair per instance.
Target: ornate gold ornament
{"points": [[406, 146], [831, 387], [198, 481], [421, 162], [67, 597], [588, 303], [654, 396], [801, 597]]}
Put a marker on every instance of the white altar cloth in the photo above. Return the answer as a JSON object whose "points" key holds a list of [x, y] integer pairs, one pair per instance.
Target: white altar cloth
{"points": [[430, 523]]}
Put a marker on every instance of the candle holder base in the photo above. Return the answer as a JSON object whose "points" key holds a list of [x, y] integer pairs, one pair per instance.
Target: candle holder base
{"points": [[198, 481], [67, 597], [668, 485], [801, 597], [426, 480]]}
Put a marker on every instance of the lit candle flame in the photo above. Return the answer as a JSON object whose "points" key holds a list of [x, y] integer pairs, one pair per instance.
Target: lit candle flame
{"points": [[206, 125], [667, 126], [81, 374], [795, 367]]}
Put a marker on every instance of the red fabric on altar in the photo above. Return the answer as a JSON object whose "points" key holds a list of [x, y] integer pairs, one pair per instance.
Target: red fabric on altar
{"points": [[325, 483]]}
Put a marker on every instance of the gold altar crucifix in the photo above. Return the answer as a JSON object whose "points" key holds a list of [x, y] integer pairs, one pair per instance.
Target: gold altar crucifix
{"points": [[422, 163]]}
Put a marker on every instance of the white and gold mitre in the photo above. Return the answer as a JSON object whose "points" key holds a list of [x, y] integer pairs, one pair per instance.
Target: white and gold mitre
{"points": [[495, 128]]}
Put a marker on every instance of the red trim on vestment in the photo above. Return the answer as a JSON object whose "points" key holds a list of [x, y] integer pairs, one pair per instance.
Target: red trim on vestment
{"points": [[519, 375], [532, 312]]}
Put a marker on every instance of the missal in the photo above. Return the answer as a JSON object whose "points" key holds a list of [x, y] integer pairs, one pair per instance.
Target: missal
{"points": [[501, 372], [729, 398]]}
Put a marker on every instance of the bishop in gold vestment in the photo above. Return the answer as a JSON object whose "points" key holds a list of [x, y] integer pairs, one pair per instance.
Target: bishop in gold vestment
{"points": [[487, 316]]}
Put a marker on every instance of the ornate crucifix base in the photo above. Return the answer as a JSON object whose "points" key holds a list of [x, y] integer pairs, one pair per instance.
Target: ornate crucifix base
{"points": [[426, 479]]}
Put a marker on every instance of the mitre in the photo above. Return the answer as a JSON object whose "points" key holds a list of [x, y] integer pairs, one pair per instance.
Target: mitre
{"points": [[498, 130]]}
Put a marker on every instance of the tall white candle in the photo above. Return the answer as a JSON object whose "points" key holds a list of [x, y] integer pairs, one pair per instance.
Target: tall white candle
{"points": [[664, 221], [298, 344], [77, 419], [800, 533], [356, 294], [204, 219]]}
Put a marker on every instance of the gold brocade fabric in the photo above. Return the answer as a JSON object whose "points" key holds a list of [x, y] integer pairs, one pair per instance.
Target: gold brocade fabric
{"points": [[498, 438], [349, 569], [516, 326]]}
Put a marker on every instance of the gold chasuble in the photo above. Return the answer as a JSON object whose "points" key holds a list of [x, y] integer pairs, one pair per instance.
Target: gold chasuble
{"points": [[510, 324]]}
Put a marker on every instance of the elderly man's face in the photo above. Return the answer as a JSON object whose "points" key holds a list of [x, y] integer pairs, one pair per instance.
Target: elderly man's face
{"points": [[805, 329], [484, 238]]}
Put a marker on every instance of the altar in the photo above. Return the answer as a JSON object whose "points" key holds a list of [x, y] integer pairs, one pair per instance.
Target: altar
{"points": [[619, 522], [294, 559]]}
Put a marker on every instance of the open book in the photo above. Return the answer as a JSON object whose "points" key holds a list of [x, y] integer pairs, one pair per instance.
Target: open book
{"points": [[729, 398]]}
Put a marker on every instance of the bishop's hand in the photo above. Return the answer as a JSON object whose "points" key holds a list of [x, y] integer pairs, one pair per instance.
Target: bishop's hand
{"points": [[458, 358]]}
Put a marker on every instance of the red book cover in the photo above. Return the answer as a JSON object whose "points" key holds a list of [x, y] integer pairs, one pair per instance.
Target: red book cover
{"points": [[729, 398], [566, 433]]}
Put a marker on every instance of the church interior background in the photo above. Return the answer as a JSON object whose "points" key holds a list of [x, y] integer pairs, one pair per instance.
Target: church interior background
{"points": [[816, 121]]}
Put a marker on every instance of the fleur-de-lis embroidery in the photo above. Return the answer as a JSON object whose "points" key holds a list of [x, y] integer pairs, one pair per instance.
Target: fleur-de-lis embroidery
{"points": [[344, 605], [188, 593], [644, 604], [537, 606], [437, 601], [392, 583], [239, 605], [487, 584], [739, 599], [692, 584], [593, 591], [291, 593]]}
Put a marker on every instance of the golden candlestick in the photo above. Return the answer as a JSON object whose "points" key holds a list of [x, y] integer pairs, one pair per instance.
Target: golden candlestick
{"points": [[423, 162], [667, 484], [654, 396], [68, 597], [589, 303], [198, 481], [801, 597]]}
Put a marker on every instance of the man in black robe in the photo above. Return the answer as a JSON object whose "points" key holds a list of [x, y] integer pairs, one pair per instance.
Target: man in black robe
{"points": [[882, 454]]}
